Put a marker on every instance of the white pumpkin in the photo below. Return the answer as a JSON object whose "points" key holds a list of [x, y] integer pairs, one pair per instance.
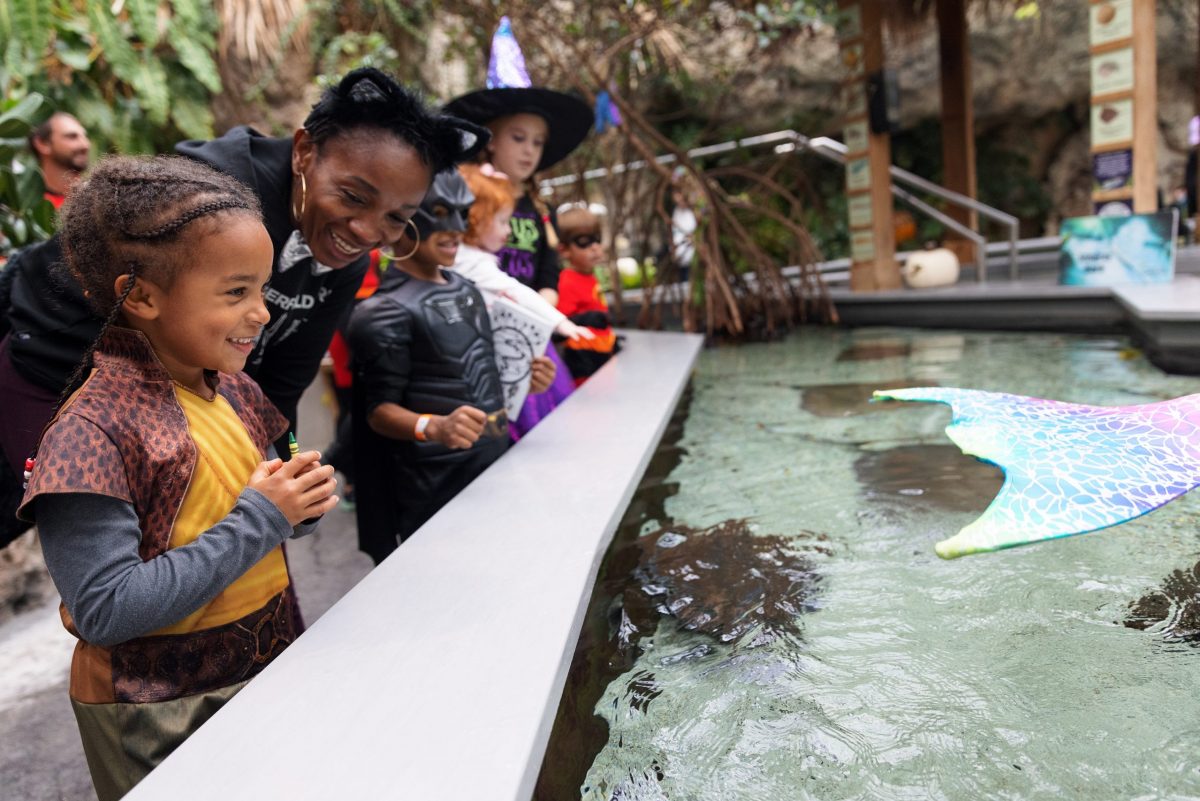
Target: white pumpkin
{"points": [[929, 268]]}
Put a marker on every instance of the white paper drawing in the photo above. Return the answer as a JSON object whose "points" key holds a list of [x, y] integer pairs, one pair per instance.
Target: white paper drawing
{"points": [[517, 336]]}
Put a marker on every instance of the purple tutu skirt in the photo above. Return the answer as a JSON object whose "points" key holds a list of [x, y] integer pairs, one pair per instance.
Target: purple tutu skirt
{"points": [[538, 406]]}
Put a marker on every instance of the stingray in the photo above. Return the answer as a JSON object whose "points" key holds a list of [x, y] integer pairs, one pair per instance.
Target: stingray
{"points": [[1068, 468], [724, 581]]}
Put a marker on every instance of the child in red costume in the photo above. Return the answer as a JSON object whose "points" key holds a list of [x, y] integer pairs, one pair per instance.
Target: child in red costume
{"points": [[579, 295]]}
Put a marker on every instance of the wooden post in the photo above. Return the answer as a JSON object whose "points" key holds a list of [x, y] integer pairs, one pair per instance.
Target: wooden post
{"points": [[1124, 106], [958, 121], [869, 155], [1145, 108]]}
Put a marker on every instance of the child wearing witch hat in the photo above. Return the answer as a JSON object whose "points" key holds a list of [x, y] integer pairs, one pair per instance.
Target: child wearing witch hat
{"points": [[532, 129]]}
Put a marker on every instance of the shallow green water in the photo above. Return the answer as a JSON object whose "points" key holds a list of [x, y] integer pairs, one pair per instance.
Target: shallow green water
{"points": [[1010, 675]]}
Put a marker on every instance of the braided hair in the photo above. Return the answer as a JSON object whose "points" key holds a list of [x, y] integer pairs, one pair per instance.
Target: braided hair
{"points": [[132, 217], [367, 98]]}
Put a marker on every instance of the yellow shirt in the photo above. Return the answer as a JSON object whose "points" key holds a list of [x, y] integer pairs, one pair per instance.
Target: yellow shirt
{"points": [[224, 461]]}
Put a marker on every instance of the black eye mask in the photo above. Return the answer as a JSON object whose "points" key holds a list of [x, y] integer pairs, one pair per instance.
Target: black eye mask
{"points": [[445, 206]]}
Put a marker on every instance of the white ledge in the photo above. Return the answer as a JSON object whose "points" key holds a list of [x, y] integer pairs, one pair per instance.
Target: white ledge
{"points": [[439, 675], [1178, 301]]}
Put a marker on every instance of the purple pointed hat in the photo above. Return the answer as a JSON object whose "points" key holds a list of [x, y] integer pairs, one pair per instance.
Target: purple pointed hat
{"points": [[510, 91]]}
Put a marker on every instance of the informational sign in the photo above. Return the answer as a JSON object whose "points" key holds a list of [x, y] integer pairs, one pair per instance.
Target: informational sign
{"points": [[1112, 71], [858, 174], [1111, 21], [1124, 102], [860, 41], [517, 336], [859, 207], [1112, 123], [1112, 169], [857, 136], [862, 245], [854, 100], [1110, 251]]}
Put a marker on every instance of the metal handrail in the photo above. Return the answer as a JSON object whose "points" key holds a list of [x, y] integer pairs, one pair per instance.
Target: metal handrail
{"points": [[825, 143], [831, 149]]}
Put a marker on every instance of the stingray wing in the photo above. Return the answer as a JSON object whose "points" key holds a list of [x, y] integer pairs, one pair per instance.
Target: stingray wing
{"points": [[1068, 468]]}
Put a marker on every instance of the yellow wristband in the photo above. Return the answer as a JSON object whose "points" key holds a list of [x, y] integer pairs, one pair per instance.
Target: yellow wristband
{"points": [[419, 428]]}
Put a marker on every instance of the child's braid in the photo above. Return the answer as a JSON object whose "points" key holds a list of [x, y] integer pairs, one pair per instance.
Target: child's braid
{"points": [[172, 226], [543, 211], [76, 377]]}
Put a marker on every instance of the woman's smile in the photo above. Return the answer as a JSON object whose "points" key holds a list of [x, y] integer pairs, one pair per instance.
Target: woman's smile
{"points": [[346, 247], [356, 192]]}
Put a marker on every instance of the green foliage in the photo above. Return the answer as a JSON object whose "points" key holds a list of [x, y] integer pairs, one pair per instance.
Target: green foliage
{"points": [[352, 49], [643, 277], [369, 33], [25, 216], [1027, 10], [139, 75], [139, 79], [771, 22]]}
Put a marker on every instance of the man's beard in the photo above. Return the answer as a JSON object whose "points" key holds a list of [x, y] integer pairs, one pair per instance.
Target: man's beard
{"points": [[76, 162]]}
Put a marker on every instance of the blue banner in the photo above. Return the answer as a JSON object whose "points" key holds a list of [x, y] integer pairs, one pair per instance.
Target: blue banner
{"points": [[1110, 251]]}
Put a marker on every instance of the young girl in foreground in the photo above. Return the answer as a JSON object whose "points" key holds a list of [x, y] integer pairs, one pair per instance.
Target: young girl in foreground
{"points": [[159, 502]]}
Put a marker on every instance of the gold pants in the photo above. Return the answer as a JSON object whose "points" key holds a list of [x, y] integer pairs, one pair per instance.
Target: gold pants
{"points": [[124, 742]]}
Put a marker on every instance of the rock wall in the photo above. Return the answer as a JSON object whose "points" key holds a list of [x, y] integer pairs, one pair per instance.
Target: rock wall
{"points": [[1031, 85]]}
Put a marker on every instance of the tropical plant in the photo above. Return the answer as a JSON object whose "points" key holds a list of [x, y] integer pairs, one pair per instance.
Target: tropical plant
{"points": [[748, 221], [139, 74], [25, 215], [372, 33]]}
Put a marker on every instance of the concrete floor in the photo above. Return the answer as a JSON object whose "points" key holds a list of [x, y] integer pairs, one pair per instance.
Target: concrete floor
{"points": [[41, 758]]}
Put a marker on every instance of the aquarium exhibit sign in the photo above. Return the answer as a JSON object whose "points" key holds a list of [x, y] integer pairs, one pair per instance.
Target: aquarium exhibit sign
{"points": [[1111, 251], [1124, 116]]}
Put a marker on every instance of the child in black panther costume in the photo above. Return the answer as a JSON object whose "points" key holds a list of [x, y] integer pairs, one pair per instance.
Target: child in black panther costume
{"points": [[428, 405]]}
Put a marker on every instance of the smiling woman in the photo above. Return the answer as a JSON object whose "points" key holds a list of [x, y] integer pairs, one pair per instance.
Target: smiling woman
{"points": [[355, 193], [346, 182]]}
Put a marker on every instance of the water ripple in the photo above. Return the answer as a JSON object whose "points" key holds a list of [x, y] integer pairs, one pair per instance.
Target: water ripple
{"points": [[1011, 676]]}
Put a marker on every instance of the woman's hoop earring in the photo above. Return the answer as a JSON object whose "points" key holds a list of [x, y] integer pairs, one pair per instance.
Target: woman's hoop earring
{"points": [[303, 197], [416, 235]]}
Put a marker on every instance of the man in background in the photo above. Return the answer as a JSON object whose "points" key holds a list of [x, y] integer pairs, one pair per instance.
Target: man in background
{"points": [[62, 149]]}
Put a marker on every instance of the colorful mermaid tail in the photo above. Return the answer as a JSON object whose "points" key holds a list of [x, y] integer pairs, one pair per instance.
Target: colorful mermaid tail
{"points": [[1068, 468]]}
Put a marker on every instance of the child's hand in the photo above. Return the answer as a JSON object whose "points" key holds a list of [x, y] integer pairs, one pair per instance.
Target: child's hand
{"points": [[301, 487], [542, 372], [459, 429], [569, 330]]}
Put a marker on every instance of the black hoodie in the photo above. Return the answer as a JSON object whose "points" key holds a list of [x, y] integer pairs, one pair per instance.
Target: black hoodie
{"points": [[50, 321], [52, 324]]}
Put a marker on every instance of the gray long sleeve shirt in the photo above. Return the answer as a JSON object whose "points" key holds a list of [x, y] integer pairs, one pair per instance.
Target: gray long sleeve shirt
{"points": [[90, 543]]}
